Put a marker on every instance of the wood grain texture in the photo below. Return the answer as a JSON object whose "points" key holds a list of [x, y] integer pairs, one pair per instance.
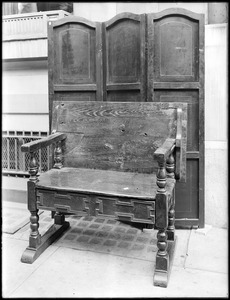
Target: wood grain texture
{"points": [[173, 47], [75, 60], [54, 232], [183, 64], [176, 73], [117, 136], [100, 182], [114, 207], [162, 274], [75, 54], [73, 19], [165, 149], [187, 192], [201, 215], [191, 97], [50, 69], [124, 57], [176, 47]]}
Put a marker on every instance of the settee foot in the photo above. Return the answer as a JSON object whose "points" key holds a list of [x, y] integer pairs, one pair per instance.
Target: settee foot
{"points": [[160, 278], [31, 254], [163, 266]]}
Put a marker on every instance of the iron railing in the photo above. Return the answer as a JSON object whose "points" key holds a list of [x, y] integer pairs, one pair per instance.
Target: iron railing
{"points": [[14, 161]]}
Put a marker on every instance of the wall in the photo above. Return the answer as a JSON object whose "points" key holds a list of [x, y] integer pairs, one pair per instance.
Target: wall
{"points": [[24, 82], [217, 12], [25, 108], [25, 96], [216, 107], [25, 74], [106, 10]]}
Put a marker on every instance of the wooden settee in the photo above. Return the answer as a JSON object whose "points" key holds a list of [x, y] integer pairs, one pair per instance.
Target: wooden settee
{"points": [[120, 160]]}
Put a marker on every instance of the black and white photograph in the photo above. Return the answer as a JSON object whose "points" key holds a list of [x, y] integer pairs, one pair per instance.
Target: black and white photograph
{"points": [[114, 150]]}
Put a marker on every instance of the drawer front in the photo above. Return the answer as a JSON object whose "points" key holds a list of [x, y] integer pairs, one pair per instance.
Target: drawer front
{"points": [[123, 209], [130, 210], [63, 201]]}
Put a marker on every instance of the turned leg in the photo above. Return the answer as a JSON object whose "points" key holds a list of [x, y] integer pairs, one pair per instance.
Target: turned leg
{"points": [[170, 168], [162, 258], [165, 247], [171, 224], [171, 220], [35, 237], [38, 244], [59, 218]]}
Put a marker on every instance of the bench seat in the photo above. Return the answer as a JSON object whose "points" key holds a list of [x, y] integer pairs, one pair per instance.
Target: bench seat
{"points": [[118, 160], [102, 182]]}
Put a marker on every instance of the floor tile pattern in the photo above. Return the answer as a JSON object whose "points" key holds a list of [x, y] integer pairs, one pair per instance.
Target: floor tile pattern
{"points": [[104, 235]]}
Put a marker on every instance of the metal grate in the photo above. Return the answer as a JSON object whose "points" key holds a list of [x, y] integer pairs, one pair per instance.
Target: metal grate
{"points": [[15, 162]]}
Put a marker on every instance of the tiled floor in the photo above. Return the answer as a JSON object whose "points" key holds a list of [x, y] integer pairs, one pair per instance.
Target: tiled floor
{"points": [[96, 257], [109, 236]]}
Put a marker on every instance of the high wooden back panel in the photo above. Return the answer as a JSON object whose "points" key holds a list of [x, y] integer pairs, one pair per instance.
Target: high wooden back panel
{"points": [[124, 58], [116, 136], [154, 57], [75, 60]]}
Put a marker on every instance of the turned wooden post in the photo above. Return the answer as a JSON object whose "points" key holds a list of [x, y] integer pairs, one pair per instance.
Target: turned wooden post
{"points": [[161, 210], [38, 244], [162, 242], [170, 168], [35, 237], [58, 156], [59, 218], [161, 177], [171, 224], [33, 167], [162, 257]]}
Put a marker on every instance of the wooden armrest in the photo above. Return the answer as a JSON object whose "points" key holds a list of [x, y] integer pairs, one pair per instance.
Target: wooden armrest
{"points": [[44, 142], [165, 150]]}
